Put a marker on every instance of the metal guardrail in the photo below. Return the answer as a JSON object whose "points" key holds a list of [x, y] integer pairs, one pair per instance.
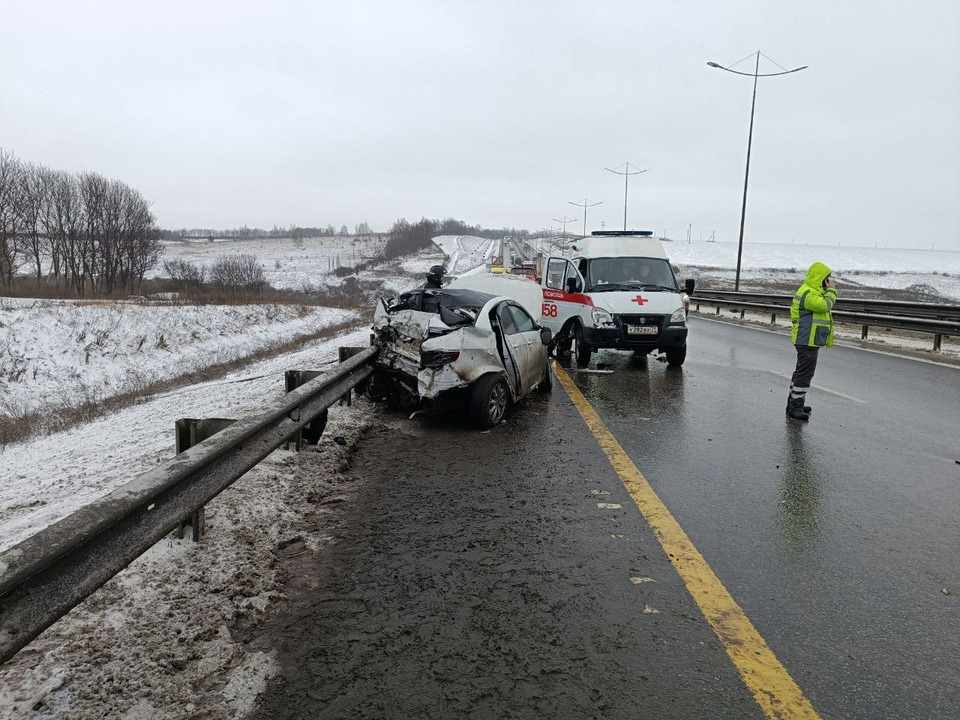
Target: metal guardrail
{"points": [[929, 318], [49, 573]]}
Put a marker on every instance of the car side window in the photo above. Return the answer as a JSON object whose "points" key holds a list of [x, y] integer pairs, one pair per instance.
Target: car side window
{"points": [[523, 321], [506, 320]]}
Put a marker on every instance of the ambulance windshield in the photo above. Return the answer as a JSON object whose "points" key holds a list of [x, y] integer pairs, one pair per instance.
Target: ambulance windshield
{"points": [[629, 273]]}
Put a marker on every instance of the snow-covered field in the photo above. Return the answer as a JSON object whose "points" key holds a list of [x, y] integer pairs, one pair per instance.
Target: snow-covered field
{"points": [[85, 353], [889, 268], [164, 638], [307, 265]]}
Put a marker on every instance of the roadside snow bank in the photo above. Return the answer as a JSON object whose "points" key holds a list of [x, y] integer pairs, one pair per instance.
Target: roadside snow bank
{"points": [[66, 354]]}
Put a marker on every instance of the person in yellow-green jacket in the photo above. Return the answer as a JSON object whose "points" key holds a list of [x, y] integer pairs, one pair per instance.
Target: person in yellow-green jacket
{"points": [[812, 319]]}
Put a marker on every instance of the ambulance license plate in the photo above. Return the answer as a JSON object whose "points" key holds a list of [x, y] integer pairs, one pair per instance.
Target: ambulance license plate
{"points": [[642, 329]]}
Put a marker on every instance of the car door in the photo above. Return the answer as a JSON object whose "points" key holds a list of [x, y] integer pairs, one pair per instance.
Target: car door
{"points": [[514, 349], [535, 354], [559, 304]]}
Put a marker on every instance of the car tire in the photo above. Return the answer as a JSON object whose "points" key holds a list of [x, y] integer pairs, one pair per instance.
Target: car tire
{"points": [[676, 356], [584, 351], [546, 384], [489, 401]]}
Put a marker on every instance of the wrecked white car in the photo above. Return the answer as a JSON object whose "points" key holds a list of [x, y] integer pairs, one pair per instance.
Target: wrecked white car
{"points": [[453, 346]]}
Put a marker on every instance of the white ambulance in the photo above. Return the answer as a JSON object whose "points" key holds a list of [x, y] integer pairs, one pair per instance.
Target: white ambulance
{"points": [[615, 289]]}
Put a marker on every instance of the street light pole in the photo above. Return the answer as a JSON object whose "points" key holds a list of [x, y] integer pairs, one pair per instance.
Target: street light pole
{"points": [[563, 221], [756, 74], [585, 204], [626, 177]]}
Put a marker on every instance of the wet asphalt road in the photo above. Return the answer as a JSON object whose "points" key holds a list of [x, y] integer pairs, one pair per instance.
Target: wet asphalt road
{"points": [[474, 575]]}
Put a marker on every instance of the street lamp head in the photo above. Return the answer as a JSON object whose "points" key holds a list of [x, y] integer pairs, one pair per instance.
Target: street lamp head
{"points": [[713, 64]]}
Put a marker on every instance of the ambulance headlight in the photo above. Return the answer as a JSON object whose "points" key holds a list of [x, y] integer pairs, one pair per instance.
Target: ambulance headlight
{"points": [[601, 317], [679, 317]]}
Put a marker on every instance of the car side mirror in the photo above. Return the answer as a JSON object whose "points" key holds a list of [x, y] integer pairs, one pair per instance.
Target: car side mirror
{"points": [[573, 285], [689, 284], [546, 336]]}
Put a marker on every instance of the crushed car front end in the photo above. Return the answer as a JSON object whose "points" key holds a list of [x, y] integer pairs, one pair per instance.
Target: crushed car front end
{"points": [[429, 347]]}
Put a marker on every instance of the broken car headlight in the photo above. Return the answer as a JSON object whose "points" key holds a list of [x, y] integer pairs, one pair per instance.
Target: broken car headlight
{"points": [[437, 358], [601, 317]]}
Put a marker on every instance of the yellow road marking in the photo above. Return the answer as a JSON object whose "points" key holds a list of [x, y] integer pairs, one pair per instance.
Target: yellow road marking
{"points": [[775, 691]]}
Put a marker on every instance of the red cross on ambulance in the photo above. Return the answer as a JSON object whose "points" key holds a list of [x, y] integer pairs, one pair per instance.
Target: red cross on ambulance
{"points": [[640, 300]]}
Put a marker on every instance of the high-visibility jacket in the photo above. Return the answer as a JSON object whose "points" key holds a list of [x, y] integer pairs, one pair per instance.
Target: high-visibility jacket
{"points": [[811, 310]]}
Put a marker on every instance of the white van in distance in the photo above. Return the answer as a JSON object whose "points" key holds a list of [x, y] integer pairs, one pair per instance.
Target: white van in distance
{"points": [[615, 290]]}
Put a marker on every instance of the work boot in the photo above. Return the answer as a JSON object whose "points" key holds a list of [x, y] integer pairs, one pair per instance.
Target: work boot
{"points": [[797, 410]]}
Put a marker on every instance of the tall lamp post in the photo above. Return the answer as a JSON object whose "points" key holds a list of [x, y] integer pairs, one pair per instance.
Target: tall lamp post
{"points": [[755, 75], [563, 221], [626, 178], [585, 203]]}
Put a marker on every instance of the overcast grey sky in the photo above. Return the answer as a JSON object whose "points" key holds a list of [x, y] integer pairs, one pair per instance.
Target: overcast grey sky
{"points": [[500, 113]]}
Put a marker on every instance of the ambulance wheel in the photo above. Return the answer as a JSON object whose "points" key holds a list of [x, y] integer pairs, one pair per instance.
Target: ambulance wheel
{"points": [[676, 356], [584, 351]]}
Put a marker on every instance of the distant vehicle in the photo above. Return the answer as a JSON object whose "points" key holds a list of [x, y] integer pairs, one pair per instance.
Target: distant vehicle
{"points": [[525, 270], [616, 290], [459, 348]]}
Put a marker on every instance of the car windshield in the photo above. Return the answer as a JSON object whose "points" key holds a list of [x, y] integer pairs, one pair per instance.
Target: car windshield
{"points": [[630, 273], [455, 306]]}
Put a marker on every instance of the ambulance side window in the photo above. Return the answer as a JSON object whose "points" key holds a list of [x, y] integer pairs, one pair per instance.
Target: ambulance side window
{"points": [[556, 268], [572, 282]]}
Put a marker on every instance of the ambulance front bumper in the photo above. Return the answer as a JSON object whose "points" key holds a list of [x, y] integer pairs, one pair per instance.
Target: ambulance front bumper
{"points": [[622, 338]]}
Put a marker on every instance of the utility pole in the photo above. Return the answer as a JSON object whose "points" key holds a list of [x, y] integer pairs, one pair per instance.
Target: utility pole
{"points": [[626, 179], [585, 203]]}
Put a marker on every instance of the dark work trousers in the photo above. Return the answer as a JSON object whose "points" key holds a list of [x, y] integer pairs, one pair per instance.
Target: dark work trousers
{"points": [[803, 375]]}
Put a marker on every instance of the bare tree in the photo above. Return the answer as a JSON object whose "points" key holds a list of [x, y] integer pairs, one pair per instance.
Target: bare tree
{"points": [[185, 274], [35, 186], [140, 238], [237, 273], [64, 224], [11, 200]]}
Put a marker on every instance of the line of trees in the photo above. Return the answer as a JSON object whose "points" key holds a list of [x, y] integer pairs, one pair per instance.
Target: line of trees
{"points": [[81, 231], [277, 232]]}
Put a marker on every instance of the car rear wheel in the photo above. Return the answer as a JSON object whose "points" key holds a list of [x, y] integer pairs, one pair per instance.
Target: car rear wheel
{"points": [[676, 356], [584, 351], [489, 401]]}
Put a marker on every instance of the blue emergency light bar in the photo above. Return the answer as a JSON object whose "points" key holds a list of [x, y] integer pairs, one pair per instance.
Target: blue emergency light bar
{"points": [[622, 233]]}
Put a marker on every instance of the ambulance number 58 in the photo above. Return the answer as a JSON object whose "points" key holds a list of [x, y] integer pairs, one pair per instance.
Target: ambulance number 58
{"points": [[549, 310]]}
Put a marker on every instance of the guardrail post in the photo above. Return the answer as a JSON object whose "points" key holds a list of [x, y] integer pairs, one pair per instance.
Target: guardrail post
{"points": [[189, 432], [743, 313], [936, 342], [314, 429], [863, 333], [773, 318], [718, 309], [345, 354]]}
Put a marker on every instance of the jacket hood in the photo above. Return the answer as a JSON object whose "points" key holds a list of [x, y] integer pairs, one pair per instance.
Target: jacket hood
{"points": [[816, 275]]}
